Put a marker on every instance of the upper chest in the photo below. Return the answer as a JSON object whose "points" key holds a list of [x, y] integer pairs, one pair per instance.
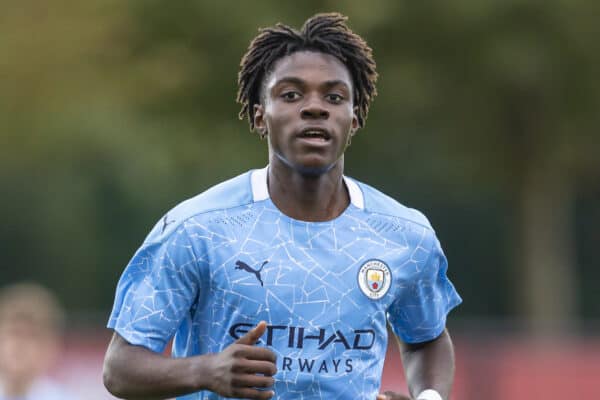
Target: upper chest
{"points": [[262, 259]]}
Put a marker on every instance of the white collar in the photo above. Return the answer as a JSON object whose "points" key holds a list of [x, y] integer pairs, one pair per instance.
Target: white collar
{"points": [[260, 190]]}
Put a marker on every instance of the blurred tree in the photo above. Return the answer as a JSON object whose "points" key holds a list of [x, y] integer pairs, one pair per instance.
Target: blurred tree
{"points": [[113, 111], [504, 94]]}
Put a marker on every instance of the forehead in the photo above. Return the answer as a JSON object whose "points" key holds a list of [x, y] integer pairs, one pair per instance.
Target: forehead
{"points": [[309, 66]]}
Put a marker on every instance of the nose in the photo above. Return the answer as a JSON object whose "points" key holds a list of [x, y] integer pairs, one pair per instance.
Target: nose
{"points": [[314, 109]]}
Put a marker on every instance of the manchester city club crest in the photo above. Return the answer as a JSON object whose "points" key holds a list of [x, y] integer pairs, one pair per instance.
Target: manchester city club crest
{"points": [[374, 279]]}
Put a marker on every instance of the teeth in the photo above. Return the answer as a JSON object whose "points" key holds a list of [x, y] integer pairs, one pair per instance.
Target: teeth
{"points": [[314, 133]]}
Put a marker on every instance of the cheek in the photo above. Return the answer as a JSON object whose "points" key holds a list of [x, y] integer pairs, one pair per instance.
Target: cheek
{"points": [[345, 120], [277, 117]]}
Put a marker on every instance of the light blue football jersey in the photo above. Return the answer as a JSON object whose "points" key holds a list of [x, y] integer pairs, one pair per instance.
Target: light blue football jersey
{"points": [[217, 264]]}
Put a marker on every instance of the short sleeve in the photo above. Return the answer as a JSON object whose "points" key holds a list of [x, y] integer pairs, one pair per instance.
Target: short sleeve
{"points": [[156, 291], [426, 296]]}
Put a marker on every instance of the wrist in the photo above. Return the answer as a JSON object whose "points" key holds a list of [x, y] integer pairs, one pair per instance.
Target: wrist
{"points": [[201, 375], [429, 394]]}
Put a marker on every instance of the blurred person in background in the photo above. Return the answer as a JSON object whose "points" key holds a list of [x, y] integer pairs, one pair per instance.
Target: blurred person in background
{"points": [[31, 323]]}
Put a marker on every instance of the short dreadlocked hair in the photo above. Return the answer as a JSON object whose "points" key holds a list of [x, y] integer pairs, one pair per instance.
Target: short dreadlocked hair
{"points": [[326, 33]]}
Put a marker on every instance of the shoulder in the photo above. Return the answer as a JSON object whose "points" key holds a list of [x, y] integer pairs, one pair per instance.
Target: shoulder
{"points": [[231, 193], [379, 203]]}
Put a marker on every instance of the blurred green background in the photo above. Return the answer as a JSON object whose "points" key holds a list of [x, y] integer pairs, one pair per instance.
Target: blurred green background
{"points": [[487, 120]]}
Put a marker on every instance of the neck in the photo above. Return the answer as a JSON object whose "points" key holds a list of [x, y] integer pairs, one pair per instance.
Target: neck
{"points": [[308, 197]]}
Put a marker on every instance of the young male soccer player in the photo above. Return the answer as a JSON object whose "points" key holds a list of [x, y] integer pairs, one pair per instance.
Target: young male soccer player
{"points": [[280, 282]]}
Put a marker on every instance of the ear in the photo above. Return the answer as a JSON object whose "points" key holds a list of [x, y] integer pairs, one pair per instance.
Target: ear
{"points": [[259, 120], [355, 125]]}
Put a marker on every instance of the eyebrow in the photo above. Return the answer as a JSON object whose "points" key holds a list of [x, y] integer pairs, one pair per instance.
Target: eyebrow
{"points": [[297, 81], [290, 79]]}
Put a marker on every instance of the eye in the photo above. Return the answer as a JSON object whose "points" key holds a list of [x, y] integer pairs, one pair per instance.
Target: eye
{"points": [[335, 98], [290, 96]]}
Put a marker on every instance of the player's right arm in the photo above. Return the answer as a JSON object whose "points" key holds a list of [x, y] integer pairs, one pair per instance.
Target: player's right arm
{"points": [[135, 372]]}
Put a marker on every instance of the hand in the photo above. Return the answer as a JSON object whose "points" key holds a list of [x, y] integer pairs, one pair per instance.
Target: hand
{"points": [[241, 368], [392, 396]]}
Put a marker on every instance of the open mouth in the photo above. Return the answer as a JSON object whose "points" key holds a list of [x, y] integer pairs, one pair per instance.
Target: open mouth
{"points": [[315, 134]]}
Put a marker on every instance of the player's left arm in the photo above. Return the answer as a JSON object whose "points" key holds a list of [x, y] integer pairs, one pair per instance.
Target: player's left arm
{"points": [[427, 365], [418, 314]]}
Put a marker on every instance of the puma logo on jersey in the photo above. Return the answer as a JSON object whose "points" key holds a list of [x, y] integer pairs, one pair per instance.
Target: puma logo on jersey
{"points": [[243, 266]]}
